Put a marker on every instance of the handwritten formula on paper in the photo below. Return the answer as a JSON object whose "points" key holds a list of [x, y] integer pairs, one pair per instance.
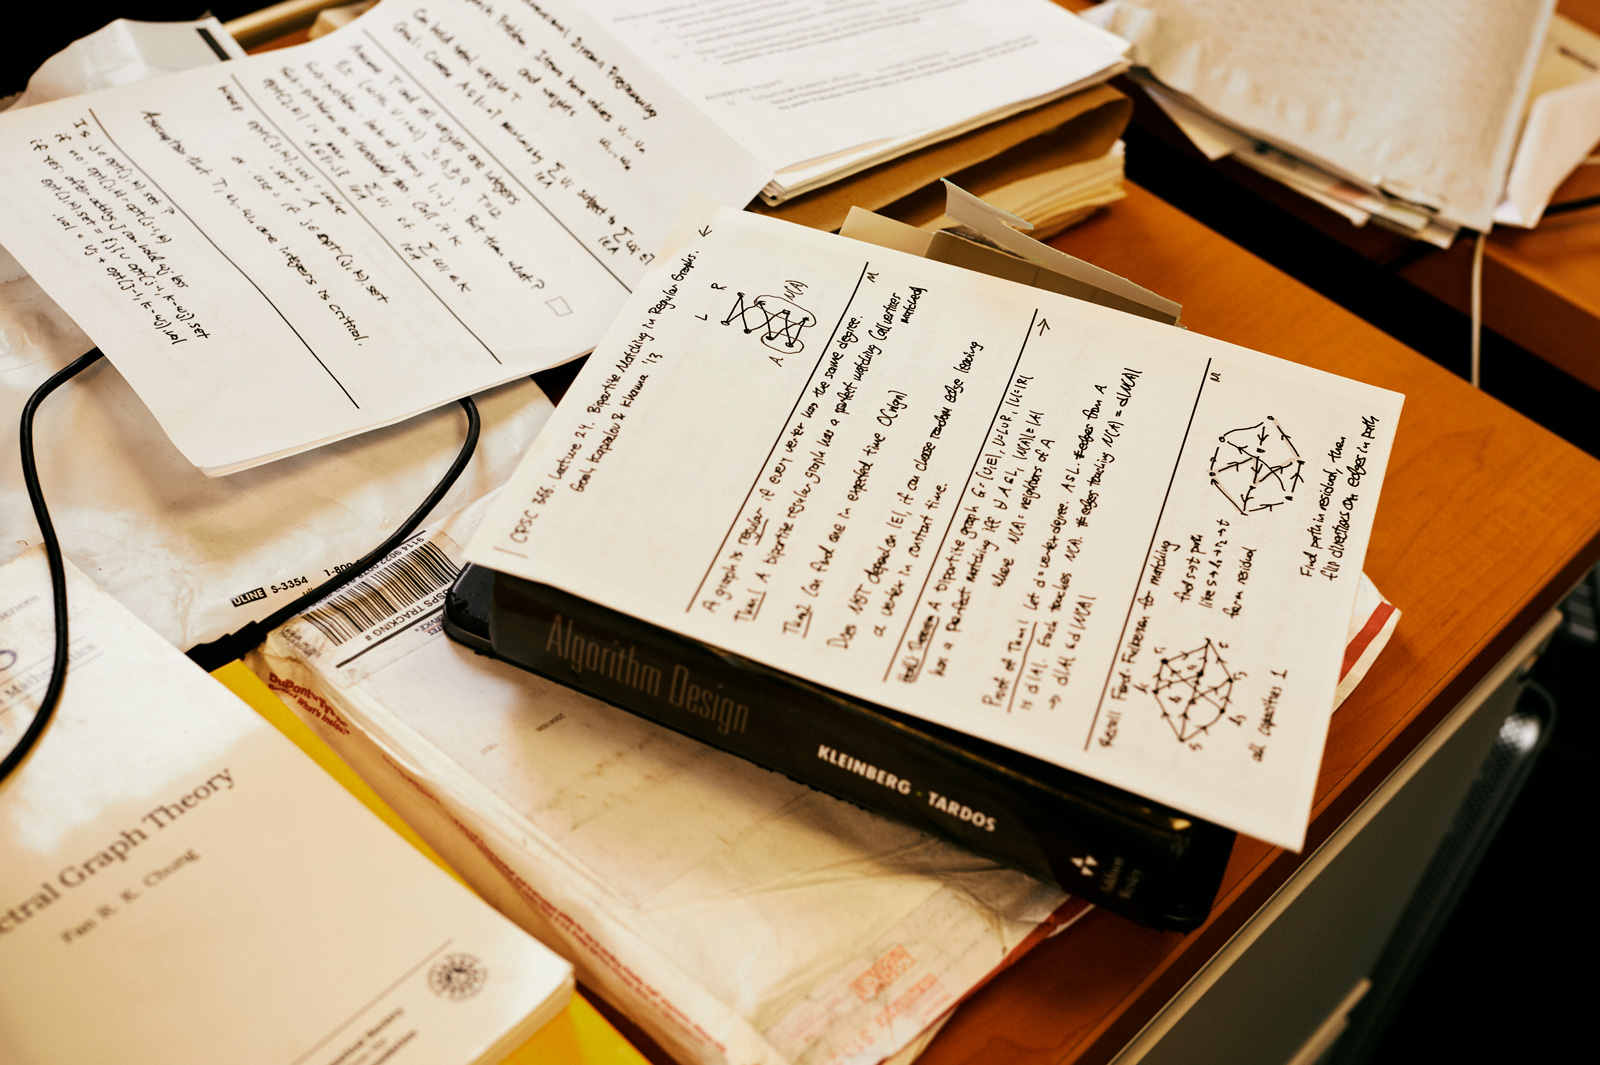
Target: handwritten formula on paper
{"points": [[292, 248]]}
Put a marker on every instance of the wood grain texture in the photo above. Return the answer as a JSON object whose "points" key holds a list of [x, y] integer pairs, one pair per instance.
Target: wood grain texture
{"points": [[1541, 286], [1486, 520]]}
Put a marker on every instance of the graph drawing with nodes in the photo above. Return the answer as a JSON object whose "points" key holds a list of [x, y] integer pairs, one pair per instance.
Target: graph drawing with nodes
{"points": [[779, 321], [1256, 466], [1193, 690]]}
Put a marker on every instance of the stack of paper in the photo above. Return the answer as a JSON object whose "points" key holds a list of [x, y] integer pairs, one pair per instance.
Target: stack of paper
{"points": [[179, 883], [1055, 199], [986, 229], [818, 90], [1395, 112], [1052, 196]]}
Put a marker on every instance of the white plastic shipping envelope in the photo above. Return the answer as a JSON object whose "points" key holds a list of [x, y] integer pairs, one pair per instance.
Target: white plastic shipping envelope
{"points": [[1418, 99]]}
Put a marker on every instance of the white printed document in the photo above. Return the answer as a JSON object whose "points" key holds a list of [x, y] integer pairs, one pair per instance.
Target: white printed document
{"points": [[1117, 546], [816, 89], [293, 248]]}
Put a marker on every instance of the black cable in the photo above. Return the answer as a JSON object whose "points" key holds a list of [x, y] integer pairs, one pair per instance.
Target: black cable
{"points": [[58, 571], [1573, 205], [218, 652], [225, 649]]}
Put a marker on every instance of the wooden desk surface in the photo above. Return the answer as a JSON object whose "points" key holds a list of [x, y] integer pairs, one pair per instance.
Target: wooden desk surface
{"points": [[1541, 286], [1486, 520]]}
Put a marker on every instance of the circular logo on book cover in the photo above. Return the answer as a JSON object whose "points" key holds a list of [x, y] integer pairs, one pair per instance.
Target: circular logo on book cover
{"points": [[457, 976]]}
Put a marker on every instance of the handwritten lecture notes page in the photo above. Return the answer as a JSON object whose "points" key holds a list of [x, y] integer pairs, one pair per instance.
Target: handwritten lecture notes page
{"points": [[1118, 546], [293, 248]]}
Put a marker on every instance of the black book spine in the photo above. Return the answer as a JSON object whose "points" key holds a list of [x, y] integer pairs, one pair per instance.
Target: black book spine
{"points": [[1151, 863]]}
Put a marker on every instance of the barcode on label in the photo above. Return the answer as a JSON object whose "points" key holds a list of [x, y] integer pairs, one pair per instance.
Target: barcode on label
{"points": [[378, 597]]}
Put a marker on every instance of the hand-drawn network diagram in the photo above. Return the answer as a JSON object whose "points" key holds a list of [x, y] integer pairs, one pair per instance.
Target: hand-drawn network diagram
{"points": [[1193, 690], [778, 320], [1256, 467]]}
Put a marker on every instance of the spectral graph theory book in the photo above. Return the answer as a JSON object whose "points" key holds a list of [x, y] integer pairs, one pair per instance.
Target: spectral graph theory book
{"points": [[179, 883], [1118, 548]]}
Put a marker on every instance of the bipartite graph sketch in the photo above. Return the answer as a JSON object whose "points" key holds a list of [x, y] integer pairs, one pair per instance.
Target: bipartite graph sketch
{"points": [[1256, 467], [1193, 690], [778, 320]]}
